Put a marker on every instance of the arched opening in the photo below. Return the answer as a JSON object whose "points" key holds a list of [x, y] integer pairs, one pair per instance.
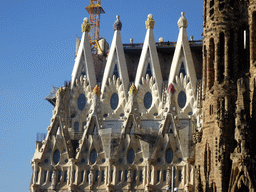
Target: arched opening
{"points": [[221, 54], [253, 38], [231, 54], [211, 63], [243, 49], [211, 8], [221, 5], [205, 69], [115, 72]]}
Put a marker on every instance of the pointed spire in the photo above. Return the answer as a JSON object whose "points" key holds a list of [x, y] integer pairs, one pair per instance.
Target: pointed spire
{"points": [[149, 61], [84, 61], [116, 63], [182, 60]]}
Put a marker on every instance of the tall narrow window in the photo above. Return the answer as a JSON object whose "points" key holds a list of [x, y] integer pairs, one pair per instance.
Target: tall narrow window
{"points": [[221, 68], [125, 175], [134, 175], [148, 71], [87, 175], [82, 176], [141, 175], [211, 64], [115, 72], [76, 126], [65, 175], [120, 175], [205, 68], [45, 175], [96, 175], [37, 173], [164, 175], [180, 175], [158, 176], [74, 176], [231, 54], [102, 176], [183, 70], [253, 38], [243, 49], [51, 175], [59, 175], [111, 175]]}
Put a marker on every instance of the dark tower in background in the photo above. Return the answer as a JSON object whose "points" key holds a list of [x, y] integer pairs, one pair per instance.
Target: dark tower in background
{"points": [[229, 53]]}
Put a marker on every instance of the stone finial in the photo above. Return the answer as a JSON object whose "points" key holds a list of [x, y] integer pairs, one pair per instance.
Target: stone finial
{"points": [[86, 25], [150, 23], [118, 24], [161, 40], [183, 22]]}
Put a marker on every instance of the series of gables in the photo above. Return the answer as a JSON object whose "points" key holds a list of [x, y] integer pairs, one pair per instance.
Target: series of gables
{"points": [[121, 135]]}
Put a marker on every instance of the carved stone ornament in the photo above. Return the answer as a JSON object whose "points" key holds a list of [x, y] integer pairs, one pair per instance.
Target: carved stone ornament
{"points": [[150, 23], [86, 25], [118, 24], [96, 90], [133, 90], [183, 22]]}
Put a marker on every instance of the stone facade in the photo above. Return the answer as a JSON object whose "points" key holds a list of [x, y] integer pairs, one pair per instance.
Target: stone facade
{"points": [[228, 50], [150, 121]]}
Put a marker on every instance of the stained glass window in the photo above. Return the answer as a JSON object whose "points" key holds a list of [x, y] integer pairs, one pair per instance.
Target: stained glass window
{"points": [[182, 69], [93, 156], [81, 102], [115, 72], [148, 100], [169, 155], [182, 99], [76, 126], [114, 101], [130, 156], [148, 71], [56, 156]]}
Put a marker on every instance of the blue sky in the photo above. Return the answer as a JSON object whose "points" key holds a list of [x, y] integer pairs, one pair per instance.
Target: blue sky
{"points": [[37, 44]]}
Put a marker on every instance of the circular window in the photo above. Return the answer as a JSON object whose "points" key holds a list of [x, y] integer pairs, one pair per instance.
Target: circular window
{"points": [[66, 160], [93, 156], [130, 156], [81, 102], [169, 155], [182, 99], [56, 156], [148, 100], [114, 101]]}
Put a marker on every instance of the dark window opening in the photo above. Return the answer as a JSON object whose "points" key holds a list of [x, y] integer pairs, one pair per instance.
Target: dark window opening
{"points": [[221, 5], [231, 55], [120, 175], [96, 175], [211, 63], [205, 68], [134, 175], [158, 176], [116, 71], [148, 71], [74, 176], [59, 176], [243, 49], [180, 175], [103, 176], [164, 175], [141, 175], [211, 3], [183, 70], [82, 176], [253, 38], [211, 12], [221, 58], [65, 175], [45, 174]]}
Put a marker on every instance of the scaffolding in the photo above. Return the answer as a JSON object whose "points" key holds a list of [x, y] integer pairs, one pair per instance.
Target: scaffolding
{"points": [[94, 10]]}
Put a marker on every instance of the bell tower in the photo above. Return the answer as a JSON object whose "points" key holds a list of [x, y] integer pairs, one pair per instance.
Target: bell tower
{"points": [[226, 58]]}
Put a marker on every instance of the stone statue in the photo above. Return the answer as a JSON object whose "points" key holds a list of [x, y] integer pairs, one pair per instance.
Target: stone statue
{"points": [[86, 25], [150, 23], [90, 178]]}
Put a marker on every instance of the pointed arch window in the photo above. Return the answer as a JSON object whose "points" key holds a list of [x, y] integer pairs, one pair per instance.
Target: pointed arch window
{"points": [[148, 71], [182, 69], [115, 72], [130, 156], [93, 156]]}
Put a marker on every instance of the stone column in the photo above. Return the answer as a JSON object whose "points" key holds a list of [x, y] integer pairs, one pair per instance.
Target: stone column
{"points": [[71, 174], [54, 179], [108, 177], [147, 174], [91, 178], [35, 168]]}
